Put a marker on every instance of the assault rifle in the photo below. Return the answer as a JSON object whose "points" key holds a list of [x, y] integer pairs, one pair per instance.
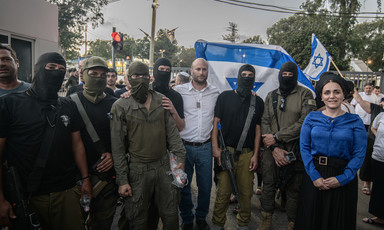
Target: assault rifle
{"points": [[13, 194], [227, 164]]}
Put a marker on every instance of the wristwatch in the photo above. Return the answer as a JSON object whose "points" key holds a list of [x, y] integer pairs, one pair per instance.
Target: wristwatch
{"points": [[274, 137]]}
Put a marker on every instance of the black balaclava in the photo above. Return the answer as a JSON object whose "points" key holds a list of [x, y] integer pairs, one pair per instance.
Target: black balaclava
{"points": [[245, 84], [139, 86], [46, 83], [325, 78], [287, 84], [162, 78]]}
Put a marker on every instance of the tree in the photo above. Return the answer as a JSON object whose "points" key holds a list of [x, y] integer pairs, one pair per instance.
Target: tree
{"points": [[73, 16], [142, 48], [233, 35], [186, 57], [367, 42], [101, 48], [255, 39], [169, 49]]}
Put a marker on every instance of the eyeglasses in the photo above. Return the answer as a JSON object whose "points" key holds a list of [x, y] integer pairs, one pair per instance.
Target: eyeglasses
{"points": [[134, 76], [282, 105]]}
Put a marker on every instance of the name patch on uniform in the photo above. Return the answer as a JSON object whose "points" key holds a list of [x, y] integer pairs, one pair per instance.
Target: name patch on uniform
{"points": [[311, 102]]}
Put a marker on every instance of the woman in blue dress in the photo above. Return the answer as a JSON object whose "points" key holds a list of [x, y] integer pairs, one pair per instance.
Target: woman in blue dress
{"points": [[332, 144]]}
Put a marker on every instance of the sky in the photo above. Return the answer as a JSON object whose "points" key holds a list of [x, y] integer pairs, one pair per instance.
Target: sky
{"points": [[195, 19]]}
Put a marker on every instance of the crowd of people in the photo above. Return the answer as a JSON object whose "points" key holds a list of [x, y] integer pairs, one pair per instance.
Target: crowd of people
{"points": [[78, 156]]}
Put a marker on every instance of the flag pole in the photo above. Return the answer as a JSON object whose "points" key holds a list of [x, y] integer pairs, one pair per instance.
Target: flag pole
{"points": [[337, 68]]}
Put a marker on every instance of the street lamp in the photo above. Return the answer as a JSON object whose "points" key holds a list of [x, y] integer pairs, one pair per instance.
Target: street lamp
{"points": [[368, 62]]}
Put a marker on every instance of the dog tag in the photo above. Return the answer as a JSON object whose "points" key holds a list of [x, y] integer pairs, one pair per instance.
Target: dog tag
{"points": [[198, 104]]}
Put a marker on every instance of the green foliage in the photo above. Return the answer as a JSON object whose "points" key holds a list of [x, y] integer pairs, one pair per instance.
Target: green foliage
{"points": [[367, 42], [255, 40], [101, 48], [142, 48], [163, 43], [233, 35], [186, 57], [73, 16]]}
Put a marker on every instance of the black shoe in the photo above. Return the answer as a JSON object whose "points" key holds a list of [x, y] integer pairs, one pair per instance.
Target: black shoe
{"points": [[187, 226], [202, 225]]}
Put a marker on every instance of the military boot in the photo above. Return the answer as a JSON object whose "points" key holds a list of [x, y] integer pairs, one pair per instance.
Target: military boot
{"points": [[291, 225], [266, 221]]}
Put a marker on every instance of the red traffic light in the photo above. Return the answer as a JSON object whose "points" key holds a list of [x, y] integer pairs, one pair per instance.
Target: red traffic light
{"points": [[116, 36]]}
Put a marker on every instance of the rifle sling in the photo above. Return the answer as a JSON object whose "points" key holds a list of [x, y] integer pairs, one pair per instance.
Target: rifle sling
{"points": [[247, 124], [35, 177], [98, 144]]}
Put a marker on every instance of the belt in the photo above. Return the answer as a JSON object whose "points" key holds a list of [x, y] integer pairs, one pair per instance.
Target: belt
{"points": [[330, 161], [196, 143]]}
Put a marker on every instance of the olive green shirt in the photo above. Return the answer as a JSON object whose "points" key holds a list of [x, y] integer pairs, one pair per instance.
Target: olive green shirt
{"points": [[297, 105], [144, 134]]}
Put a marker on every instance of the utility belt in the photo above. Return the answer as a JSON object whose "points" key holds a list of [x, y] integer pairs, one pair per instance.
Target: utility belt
{"points": [[323, 161], [196, 143]]}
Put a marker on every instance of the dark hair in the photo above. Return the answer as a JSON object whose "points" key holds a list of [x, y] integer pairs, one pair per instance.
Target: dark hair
{"points": [[71, 70], [377, 87], [112, 70], [9, 48]]}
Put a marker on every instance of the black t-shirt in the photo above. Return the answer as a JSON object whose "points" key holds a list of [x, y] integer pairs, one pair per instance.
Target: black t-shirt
{"points": [[177, 101], [233, 114], [375, 110], [120, 91], [98, 114], [22, 123], [79, 88]]}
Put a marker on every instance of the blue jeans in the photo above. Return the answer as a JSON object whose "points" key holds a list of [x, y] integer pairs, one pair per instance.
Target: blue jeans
{"points": [[201, 158]]}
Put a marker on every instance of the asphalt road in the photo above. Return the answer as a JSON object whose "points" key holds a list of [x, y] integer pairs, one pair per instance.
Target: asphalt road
{"points": [[279, 221]]}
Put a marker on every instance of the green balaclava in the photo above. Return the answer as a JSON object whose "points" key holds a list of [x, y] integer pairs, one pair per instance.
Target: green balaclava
{"points": [[139, 86], [94, 86]]}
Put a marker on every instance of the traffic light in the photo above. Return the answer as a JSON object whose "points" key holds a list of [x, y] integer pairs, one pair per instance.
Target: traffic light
{"points": [[117, 41]]}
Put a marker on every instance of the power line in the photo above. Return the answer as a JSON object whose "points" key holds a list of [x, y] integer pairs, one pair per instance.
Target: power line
{"points": [[291, 11]]}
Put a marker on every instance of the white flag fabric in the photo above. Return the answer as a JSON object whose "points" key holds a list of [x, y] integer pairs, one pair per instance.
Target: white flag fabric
{"points": [[225, 59], [320, 60]]}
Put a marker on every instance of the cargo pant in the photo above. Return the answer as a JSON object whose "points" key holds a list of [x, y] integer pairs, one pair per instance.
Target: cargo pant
{"points": [[151, 182], [103, 206], [244, 179], [58, 210], [270, 177]]}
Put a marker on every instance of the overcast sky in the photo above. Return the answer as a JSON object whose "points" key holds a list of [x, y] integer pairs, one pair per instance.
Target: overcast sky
{"points": [[196, 19]]}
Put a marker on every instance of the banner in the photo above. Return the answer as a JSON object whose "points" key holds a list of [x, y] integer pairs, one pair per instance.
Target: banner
{"points": [[225, 59], [320, 60]]}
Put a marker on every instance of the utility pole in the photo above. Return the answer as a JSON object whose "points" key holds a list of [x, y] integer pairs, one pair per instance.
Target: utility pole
{"points": [[86, 41], [152, 44], [113, 51]]}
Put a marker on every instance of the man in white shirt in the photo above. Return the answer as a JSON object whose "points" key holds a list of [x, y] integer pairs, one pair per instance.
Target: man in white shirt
{"points": [[367, 95], [199, 99], [377, 92]]}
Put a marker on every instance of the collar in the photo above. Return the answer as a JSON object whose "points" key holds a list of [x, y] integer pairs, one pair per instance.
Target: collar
{"points": [[190, 87], [155, 103]]}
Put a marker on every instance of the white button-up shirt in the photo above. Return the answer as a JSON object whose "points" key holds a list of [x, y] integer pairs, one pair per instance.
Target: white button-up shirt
{"points": [[360, 111], [199, 106]]}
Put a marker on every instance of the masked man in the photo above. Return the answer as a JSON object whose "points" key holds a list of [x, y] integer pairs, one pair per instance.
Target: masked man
{"points": [[231, 110], [147, 129], [284, 113], [97, 106], [40, 138], [172, 100]]}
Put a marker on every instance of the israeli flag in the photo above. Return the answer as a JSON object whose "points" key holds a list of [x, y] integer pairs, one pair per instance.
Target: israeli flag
{"points": [[225, 59], [320, 60]]}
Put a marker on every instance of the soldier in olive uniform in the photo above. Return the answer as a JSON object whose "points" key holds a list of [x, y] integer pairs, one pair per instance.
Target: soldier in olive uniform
{"points": [[280, 127], [144, 129]]}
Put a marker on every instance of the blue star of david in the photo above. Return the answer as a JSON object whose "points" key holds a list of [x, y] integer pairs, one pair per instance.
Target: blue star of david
{"points": [[320, 63]]}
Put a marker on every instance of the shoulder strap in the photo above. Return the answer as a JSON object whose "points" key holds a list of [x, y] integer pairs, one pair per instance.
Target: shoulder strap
{"points": [[35, 177], [274, 105], [247, 124], [88, 124]]}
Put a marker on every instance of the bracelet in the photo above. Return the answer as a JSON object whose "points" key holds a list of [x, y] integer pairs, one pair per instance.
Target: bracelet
{"points": [[275, 137], [86, 177], [272, 147]]}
